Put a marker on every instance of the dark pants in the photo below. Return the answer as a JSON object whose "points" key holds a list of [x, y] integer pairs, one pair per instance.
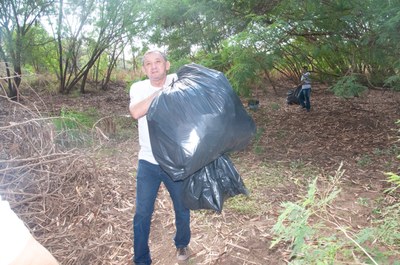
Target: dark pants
{"points": [[148, 181], [304, 98]]}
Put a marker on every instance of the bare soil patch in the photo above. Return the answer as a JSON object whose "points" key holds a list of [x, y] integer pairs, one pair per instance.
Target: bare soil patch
{"points": [[79, 203]]}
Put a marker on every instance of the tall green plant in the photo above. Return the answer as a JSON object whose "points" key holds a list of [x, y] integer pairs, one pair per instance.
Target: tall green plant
{"points": [[295, 225], [386, 228], [304, 226], [348, 87]]}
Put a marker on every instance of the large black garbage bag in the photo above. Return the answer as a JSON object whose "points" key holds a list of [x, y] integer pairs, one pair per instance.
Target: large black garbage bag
{"points": [[209, 187], [293, 96], [195, 120]]}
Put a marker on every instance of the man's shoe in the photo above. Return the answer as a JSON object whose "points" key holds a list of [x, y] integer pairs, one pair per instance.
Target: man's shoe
{"points": [[182, 253]]}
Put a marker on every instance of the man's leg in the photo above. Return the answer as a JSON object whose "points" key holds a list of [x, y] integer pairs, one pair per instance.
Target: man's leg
{"points": [[182, 214], [147, 185], [301, 98], [307, 93]]}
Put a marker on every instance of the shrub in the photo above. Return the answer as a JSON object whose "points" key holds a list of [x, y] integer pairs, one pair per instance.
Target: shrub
{"points": [[348, 87]]}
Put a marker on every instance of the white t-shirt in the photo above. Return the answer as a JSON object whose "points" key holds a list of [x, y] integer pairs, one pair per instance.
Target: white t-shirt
{"points": [[14, 235], [138, 92]]}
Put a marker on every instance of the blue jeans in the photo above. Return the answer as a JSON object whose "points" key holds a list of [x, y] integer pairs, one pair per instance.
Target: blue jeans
{"points": [[304, 98], [148, 180]]}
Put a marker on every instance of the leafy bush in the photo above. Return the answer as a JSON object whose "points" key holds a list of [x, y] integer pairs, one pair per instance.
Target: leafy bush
{"points": [[348, 87], [393, 82]]}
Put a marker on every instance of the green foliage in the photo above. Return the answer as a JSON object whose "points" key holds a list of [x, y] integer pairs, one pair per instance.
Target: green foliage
{"points": [[296, 224], [40, 51], [393, 82], [348, 87], [386, 229], [303, 225], [175, 65], [364, 160], [72, 119], [275, 106], [242, 204], [394, 178], [247, 40], [245, 68], [73, 127]]}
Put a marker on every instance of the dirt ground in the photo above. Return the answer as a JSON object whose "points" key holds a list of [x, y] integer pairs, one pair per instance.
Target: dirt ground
{"points": [[86, 218]]}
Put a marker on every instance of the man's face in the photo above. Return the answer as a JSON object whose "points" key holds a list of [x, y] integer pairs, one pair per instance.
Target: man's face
{"points": [[155, 66]]}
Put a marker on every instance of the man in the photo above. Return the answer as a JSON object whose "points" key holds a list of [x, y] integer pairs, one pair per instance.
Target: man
{"points": [[17, 245], [305, 93], [149, 173]]}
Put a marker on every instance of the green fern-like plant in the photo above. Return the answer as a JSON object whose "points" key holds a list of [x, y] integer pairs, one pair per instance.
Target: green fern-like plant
{"points": [[294, 225], [393, 82], [348, 87]]}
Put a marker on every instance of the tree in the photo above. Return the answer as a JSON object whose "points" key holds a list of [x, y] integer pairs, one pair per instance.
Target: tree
{"points": [[192, 25], [17, 17], [336, 38], [85, 30]]}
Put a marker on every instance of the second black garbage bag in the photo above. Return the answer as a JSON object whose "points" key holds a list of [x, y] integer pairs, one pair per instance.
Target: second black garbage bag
{"points": [[195, 120], [209, 187]]}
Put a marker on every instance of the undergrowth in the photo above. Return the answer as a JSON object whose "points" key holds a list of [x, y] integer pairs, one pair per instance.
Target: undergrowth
{"points": [[73, 127], [83, 128], [316, 237]]}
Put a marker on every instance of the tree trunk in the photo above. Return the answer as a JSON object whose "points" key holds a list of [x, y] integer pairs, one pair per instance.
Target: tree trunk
{"points": [[83, 84], [111, 66], [13, 90], [60, 50]]}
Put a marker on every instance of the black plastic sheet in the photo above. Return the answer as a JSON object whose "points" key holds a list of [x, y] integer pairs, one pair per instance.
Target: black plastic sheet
{"points": [[195, 120]]}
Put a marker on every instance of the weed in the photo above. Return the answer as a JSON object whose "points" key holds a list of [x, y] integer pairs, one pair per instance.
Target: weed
{"points": [[73, 127], [386, 230], [363, 201], [257, 178], [297, 164], [303, 225], [258, 149], [243, 204], [293, 225], [275, 106], [364, 160]]}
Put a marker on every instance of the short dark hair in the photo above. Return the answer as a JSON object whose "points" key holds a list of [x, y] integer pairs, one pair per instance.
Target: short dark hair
{"points": [[154, 51]]}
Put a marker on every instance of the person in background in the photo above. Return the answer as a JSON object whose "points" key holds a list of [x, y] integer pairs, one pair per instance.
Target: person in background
{"points": [[17, 245], [149, 174], [305, 93]]}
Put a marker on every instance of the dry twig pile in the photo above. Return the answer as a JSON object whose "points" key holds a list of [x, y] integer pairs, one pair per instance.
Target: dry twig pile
{"points": [[58, 192]]}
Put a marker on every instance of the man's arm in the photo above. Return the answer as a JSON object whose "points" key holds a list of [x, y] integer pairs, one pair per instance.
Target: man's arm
{"points": [[140, 109], [17, 245], [34, 253]]}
